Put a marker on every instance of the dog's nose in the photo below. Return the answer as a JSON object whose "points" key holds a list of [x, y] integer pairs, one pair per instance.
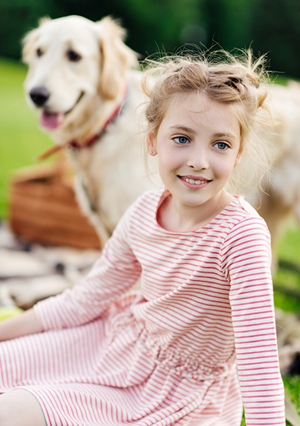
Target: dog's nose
{"points": [[39, 95]]}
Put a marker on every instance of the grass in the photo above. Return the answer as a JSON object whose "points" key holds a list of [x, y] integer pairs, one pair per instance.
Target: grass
{"points": [[22, 141], [287, 280]]}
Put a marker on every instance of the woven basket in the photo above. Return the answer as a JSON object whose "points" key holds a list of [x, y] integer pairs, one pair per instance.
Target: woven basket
{"points": [[43, 209]]}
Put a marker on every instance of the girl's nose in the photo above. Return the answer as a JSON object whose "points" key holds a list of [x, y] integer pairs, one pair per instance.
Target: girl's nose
{"points": [[198, 159]]}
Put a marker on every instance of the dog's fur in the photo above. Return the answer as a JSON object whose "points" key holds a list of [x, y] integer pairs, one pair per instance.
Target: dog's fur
{"points": [[111, 172], [280, 195]]}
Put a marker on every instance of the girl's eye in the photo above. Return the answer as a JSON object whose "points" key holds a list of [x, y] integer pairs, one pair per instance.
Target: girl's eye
{"points": [[222, 146], [181, 140]]}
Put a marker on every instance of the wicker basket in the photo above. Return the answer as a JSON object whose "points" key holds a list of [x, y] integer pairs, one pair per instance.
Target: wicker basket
{"points": [[43, 209]]}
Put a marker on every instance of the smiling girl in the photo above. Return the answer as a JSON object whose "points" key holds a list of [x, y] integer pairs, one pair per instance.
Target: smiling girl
{"points": [[198, 145], [198, 341]]}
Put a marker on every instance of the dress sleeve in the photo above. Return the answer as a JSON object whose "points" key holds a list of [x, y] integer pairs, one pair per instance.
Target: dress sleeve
{"points": [[116, 271], [247, 259]]}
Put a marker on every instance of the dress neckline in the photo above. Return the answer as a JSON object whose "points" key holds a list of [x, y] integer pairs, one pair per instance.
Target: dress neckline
{"points": [[165, 193]]}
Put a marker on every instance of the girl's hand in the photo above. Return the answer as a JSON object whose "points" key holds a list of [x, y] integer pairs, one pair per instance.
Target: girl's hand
{"points": [[9, 312], [19, 325]]}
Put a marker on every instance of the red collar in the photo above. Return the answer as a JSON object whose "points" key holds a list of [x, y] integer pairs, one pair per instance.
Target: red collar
{"points": [[90, 141], [93, 139]]}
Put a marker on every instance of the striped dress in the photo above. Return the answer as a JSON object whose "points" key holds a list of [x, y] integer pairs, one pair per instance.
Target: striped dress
{"points": [[191, 348]]}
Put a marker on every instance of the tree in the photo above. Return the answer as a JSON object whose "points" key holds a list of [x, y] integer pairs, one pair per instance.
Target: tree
{"points": [[152, 26], [16, 18], [276, 30]]}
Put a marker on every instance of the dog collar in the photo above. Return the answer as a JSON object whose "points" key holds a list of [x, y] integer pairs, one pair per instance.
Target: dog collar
{"points": [[93, 139], [74, 144]]}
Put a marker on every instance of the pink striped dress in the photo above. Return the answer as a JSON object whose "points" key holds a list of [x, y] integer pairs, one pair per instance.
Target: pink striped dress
{"points": [[191, 348]]}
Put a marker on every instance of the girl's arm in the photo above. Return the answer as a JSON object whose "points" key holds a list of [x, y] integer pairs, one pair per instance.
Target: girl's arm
{"points": [[248, 259], [113, 274], [25, 323]]}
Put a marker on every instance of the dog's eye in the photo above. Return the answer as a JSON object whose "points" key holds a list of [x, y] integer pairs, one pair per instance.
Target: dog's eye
{"points": [[73, 56], [39, 52]]}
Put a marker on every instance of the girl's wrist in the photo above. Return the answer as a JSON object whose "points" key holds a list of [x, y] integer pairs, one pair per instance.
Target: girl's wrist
{"points": [[20, 325]]}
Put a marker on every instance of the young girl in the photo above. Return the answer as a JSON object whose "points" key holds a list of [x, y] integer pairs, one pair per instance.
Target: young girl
{"points": [[198, 341]]}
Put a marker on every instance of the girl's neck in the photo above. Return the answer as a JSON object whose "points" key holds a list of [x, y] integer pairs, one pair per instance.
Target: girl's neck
{"points": [[180, 218]]}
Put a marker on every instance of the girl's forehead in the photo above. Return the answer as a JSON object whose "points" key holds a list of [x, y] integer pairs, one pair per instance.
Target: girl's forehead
{"points": [[198, 104], [189, 97], [198, 112]]}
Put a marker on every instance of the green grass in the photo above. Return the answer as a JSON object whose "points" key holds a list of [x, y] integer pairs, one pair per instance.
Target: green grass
{"points": [[289, 281], [289, 250], [22, 141]]}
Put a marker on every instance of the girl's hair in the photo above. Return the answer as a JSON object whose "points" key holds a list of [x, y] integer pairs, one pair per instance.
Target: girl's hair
{"points": [[232, 80]]}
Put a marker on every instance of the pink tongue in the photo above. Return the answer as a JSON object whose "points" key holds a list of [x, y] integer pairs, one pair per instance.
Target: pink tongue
{"points": [[51, 121]]}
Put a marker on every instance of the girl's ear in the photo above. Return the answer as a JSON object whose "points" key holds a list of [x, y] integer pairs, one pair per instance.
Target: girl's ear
{"points": [[237, 160], [151, 142], [239, 155]]}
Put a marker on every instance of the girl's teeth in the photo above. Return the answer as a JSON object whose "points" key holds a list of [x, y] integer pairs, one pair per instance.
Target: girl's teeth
{"points": [[193, 181]]}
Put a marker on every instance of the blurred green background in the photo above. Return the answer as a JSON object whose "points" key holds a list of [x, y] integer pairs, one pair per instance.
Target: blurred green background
{"points": [[268, 26]]}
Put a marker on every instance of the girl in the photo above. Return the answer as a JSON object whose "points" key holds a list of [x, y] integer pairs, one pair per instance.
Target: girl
{"points": [[199, 339]]}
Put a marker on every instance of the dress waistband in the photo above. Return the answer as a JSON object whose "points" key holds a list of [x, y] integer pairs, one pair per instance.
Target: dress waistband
{"points": [[185, 365], [176, 362]]}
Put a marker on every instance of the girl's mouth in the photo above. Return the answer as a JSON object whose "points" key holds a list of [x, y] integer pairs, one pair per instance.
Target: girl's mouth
{"points": [[194, 182]]}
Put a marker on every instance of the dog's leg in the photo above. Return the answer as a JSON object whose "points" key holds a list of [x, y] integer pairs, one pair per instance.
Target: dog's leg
{"points": [[275, 213], [89, 208]]}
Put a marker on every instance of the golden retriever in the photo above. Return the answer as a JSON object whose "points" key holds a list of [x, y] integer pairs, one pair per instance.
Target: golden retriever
{"points": [[81, 78]]}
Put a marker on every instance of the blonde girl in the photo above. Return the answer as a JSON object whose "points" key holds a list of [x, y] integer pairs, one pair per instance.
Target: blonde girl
{"points": [[198, 342]]}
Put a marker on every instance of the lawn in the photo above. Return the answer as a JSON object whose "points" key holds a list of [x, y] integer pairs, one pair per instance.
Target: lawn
{"points": [[22, 142]]}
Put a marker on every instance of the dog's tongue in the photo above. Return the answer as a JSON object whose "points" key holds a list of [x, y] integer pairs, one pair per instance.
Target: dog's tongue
{"points": [[51, 120]]}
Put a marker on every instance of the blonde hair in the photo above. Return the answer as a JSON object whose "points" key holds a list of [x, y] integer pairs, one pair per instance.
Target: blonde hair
{"points": [[232, 80]]}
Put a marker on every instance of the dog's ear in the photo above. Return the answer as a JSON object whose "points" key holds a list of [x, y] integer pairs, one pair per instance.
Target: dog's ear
{"points": [[116, 57], [29, 39]]}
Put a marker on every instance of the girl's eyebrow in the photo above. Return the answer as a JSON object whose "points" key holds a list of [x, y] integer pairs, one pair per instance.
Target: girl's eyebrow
{"points": [[225, 135], [216, 135], [184, 128]]}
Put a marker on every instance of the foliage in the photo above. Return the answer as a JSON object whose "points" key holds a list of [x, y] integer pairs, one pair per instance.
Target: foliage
{"points": [[229, 22], [276, 29], [165, 25], [159, 25], [18, 17]]}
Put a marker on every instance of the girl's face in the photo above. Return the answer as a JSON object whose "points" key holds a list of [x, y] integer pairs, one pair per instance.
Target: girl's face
{"points": [[198, 144]]}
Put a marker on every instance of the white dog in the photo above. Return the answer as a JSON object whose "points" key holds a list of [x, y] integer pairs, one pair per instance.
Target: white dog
{"points": [[81, 80]]}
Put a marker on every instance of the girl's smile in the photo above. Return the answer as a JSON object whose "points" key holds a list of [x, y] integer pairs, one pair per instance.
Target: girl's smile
{"points": [[194, 182], [198, 144]]}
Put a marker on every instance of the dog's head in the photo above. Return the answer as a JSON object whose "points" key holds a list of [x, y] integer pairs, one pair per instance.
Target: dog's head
{"points": [[70, 61]]}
